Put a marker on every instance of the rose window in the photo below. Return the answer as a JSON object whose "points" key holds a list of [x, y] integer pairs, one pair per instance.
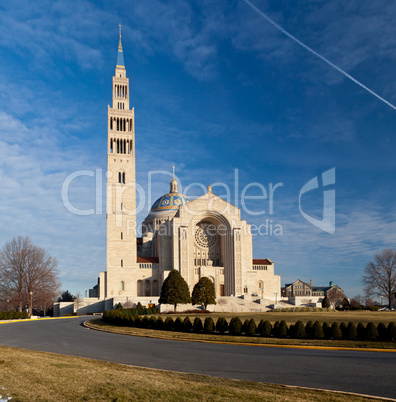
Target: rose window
{"points": [[205, 235]]}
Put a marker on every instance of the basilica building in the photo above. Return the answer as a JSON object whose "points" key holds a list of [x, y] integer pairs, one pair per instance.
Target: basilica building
{"points": [[199, 237]]}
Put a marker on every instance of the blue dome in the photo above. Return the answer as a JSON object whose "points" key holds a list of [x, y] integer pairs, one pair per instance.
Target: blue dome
{"points": [[169, 202]]}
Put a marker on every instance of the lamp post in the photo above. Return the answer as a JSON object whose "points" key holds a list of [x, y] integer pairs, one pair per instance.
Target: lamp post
{"points": [[31, 304]]}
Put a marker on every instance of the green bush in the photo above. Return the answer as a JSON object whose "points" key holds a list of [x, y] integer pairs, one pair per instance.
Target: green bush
{"points": [[245, 325], [290, 332], [361, 332], [317, 331], [391, 331], [344, 330], [251, 328], [299, 330], [235, 326], [209, 326], [382, 332], [152, 322], [197, 325], [144, 323], [265, 329], [326, 330], [275, 329], [335, 331], [309, 329], [169, 324], [371, 332], [351, 332], [137, 322], [178, 327], [187, 325], [159, 324], [282, 331], [221, 325], [13, 315]]}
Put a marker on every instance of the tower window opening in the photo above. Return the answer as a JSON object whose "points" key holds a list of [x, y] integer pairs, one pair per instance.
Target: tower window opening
{"points": [[121, 206], [123, 177], [122, 285], [122, 263], [111, 146], [122, 236], [111, 124]]}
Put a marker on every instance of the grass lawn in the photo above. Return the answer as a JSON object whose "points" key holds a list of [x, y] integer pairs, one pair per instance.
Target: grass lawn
{"points": [[98, 324], [28, 375]]}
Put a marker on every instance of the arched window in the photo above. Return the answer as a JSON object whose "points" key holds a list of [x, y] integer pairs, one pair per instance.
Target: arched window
{"points": [[122, 263], [123, 177], [119, 177], [111, 145], [122, 285]]}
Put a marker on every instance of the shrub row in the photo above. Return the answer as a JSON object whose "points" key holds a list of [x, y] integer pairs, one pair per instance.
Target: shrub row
{"points": [[301, 309], [138, 310], [311, 330], [13, 315]]}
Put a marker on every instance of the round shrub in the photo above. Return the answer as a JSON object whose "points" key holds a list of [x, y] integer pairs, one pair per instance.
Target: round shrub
{"points": [[382, 332], [251, 328], [235, 326], [317, 331], [169, 324], [326, 330], [137, 322], [335, 331], [391, 331], [152, 322], [178, 325], [221, 325], [159, 324], [275, 329], [265, 328], [361, 332], [187, 325], [299, 330], [344, 330], [209, 326], [371, 332], [309, 329], [244, 326], [144, 323], [197, 325], [351, 332], [290, 332], [282, 331]]}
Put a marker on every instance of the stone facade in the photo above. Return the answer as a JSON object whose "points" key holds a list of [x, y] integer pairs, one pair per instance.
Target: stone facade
{"points": [[201, 237]]}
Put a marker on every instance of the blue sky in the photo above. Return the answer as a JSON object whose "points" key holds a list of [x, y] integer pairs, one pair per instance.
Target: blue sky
{"points": [[215, 88]]}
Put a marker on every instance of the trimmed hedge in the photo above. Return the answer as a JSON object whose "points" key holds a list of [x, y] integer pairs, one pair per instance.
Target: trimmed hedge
{"points": [[13, 315], [312, 330]]}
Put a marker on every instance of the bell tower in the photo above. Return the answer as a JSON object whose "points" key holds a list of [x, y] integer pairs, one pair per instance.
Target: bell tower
{"points": [[121, 189]]}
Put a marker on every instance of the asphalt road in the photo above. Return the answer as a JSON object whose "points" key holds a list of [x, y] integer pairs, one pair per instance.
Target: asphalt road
{"points": [[372, 373]]}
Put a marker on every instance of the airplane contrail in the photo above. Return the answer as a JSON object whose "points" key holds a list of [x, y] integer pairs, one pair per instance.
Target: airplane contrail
{"points": [[288, 34]]}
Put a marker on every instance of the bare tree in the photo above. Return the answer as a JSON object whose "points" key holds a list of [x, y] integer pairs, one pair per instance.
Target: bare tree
{"points": [[27, 269], [336, 296], [357, 301], [379, 276]]}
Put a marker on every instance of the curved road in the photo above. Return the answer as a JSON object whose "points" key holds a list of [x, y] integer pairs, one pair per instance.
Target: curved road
{"points": [[370, 373]]}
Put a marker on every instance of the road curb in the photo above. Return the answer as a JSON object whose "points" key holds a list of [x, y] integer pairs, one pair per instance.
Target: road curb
{"points": [[266, 345], [35, 320]]}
